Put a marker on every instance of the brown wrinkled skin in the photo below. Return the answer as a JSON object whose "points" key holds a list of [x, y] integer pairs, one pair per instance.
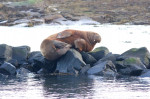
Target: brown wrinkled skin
{"points": [[81, 40]]}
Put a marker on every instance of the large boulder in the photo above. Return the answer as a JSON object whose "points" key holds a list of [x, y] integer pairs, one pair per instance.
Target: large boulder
{"points": [[141, 53], [15, 55], [5, 52], [131, 66], [7, 69], [38, 62], [106, 68], [99, 52], [20, 53], [70, 63], [88, 59]]}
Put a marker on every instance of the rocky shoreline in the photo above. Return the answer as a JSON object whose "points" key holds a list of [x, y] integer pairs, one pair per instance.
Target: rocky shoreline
{"points": [[55, 11], [20, 60]]}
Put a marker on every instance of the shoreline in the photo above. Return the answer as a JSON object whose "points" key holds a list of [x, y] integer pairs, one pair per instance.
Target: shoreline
{"points": [[53, 12]]}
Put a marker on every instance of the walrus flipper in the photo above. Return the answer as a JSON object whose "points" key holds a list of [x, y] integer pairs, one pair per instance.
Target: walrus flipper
{"points": [[64, 34], [61, 47], [80, 44]]}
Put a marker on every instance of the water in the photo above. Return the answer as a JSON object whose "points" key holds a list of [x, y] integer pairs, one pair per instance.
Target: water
{"points": [[74, 87], [116, 38]]}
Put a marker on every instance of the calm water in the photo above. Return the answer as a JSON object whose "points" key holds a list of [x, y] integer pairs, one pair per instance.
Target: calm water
{"points": [[74, 87], [117, 38]]}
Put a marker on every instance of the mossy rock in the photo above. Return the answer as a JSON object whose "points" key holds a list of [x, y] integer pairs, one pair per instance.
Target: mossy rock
{"points": [[99, 52], [131, 60], [141, 53], [100, 49], [131, 66]]}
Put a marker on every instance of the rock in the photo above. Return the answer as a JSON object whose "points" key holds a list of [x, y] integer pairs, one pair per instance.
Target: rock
{"points": [[22, 72], [14, 62], [35, 55], [88, 59], [141, 53], [38, 62], [131, 66], [3, 77], [1, 5], [85, 69], [7, 69], [5, 52], [49, 66], [2, 60], [146, 73], [70, 16], [15, 55], [21, 53], [109, 56], [141, 22], [51, 18], [106, 68], [70, 63], [99, 52], [32, 23]]}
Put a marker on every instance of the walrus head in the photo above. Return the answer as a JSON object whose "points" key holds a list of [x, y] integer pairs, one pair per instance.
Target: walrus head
{"points": [[94, 37]]}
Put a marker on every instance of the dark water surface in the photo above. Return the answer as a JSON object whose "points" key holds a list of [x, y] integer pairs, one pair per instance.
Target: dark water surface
{"points": [[74, 87]]}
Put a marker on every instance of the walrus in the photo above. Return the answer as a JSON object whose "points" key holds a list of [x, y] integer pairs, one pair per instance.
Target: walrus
{"points": [[58, 44]]}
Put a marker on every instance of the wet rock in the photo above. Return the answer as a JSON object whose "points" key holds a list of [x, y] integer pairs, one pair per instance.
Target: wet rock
{"points": [[85, 69], [106, 68], [14, 62], [105, 18], [3, 77], [49, 66], [109, 56], [5, 52], [51, 18], [35, 55], [88, 59], [7, 69], [20, 53], [146, 73], [70, 16], [141, 22], [32, 23], [38, 62], [70, 63], [22, 72], [99, 52], [131, 66], [141, 53]]}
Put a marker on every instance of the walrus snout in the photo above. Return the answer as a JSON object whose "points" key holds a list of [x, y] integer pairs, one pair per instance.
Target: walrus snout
{"points": [[97, 38]]}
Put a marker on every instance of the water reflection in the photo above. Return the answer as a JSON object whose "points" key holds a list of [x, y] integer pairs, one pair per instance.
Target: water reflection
{"points": [[74, 87], [68, 86]]}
